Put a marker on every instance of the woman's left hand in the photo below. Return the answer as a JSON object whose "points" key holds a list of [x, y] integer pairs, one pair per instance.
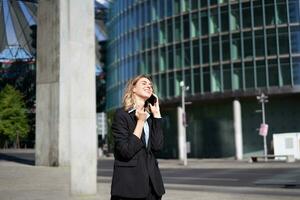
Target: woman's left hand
{"points": [[155, 108]]}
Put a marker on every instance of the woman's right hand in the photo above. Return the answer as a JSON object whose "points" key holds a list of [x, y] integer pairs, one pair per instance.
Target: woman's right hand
{"points": [[140, 113]]}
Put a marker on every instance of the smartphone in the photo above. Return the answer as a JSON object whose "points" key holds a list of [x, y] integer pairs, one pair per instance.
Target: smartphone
{"points": [[152, 100]]}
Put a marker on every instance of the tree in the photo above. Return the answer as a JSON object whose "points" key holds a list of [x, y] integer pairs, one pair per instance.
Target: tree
{"points": [[13, 118]]}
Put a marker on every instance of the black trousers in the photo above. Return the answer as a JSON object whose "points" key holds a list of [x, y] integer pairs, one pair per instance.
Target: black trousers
{"points": [[151, 196]]}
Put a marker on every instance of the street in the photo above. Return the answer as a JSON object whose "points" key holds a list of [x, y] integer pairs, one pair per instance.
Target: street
{"points": [[208, 178]]}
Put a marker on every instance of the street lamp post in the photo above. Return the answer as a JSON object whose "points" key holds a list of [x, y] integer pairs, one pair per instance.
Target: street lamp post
{"points": [[263, 99], [183, 130]]}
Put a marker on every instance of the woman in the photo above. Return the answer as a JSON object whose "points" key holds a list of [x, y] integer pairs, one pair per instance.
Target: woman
{"points": [[137, 134]]}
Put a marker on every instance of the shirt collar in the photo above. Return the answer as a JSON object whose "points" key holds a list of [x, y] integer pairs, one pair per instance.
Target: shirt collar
{"points": [[133, 109]]}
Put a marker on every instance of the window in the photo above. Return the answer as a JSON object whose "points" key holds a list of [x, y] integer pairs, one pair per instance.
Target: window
{"points": [[205, 51], [294, 11], [177, 29], [249, 74], [204, 23], [248, 47], [257, 13], [259, 43], [224, 19], [226, 77], [213, 21], [237, 79], [206, 79], [197, 80], [283, 40], [271, 42], [186, 27], [194, 25], [225, 47], [216, 79], [178, 56], [215, 49], [187, 54], [235, 17], [273, 72], [261, 73], [236, 47], [196, 52], [270, 12], [295, 39], [246, 12]]}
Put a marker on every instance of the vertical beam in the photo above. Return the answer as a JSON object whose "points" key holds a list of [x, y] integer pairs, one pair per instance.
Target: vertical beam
{"points": [[238, 137], [82, 98], [52, 106]]}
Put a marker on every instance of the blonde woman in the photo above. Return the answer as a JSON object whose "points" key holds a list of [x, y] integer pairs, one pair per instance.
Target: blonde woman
{"points": [[137, 134]]}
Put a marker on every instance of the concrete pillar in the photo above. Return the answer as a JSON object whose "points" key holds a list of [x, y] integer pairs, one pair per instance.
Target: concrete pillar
{"points": [[83, 98], [238, 137], [53, 72], [66, 102]]}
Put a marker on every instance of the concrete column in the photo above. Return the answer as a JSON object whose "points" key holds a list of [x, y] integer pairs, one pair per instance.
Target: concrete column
{"points": [[82, 98], [52, 99], [66, 101], [238, 137]]}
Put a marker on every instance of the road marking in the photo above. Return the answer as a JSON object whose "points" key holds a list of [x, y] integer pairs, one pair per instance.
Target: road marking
{"points": [[206, 179]]}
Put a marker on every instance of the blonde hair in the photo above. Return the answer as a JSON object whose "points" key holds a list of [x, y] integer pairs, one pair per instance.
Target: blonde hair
{"points": [[128, 97]]}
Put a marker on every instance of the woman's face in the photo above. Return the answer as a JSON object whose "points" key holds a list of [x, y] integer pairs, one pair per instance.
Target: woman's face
{"points": [[143, 88]]}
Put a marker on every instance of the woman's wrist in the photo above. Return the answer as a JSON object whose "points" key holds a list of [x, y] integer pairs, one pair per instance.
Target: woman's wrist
{"points": [[156, 114]]}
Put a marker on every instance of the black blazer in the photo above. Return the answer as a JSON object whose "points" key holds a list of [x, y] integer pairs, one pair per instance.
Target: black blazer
{"points": [[135, 164]]}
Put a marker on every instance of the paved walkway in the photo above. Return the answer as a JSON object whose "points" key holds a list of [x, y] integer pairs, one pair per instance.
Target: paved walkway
{"points": [[27, 182]]}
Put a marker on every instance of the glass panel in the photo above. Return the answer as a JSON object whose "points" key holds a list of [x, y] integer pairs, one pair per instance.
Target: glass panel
{"points": [[248, 47], [206, 79], [235, 17], [162, 33], [194, 4], [197, 80], [237, 79], [205, 51], [162, 59], [281, 17], [170, 57], [259, 43], [249, 74], [149, 62], [270, 12], [225, 47], [170, 30], [246, 12], [215, 49], [261, 73], [295, 39], [196, 52], [177, 83], [296, 71], [163, 86], [156, 60], [273, 73], [169, 6], [178, 56], [162, 11], [258, 13], [171, 84], [294, 10], [203, 3], [186, 27], [177, 29], [236, 47], [285, 72], [155, 34], [176, 7], [216, 79], [224, 19], [204, 23], [154, 8], [194, 25], [283, 41], [187, 54], [185, 5], [271, 41], [226, 77], [213, 21]]}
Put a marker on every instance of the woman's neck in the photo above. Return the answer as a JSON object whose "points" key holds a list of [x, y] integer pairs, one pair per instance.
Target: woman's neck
{"points": [[139, 101]]}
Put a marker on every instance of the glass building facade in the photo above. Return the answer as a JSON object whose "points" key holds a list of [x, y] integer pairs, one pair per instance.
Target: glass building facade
{"points": [[223, 50]]}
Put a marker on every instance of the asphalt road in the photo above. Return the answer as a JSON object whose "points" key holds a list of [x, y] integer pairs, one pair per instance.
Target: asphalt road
{"points": [[279, 177]]}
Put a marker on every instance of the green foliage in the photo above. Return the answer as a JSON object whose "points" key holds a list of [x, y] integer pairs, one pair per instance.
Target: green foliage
{"points": [[13, 117]]}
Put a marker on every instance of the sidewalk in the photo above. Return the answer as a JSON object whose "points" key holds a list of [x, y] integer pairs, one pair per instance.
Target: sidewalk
{"points": [[26, 182]]}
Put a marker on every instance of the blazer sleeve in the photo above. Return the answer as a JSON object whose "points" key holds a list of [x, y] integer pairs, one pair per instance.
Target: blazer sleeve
{"points": [[157, 138], [126, 143]]}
